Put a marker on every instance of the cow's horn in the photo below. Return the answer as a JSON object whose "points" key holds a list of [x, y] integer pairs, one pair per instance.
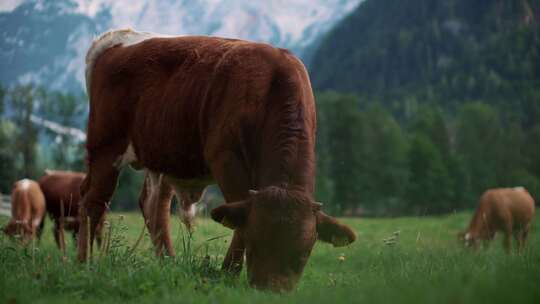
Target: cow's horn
{"points": [[253, 192]]}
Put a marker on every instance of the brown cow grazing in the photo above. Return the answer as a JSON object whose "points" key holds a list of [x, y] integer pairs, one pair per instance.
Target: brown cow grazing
{"points": [[194, 109], [509, 210], [27, 210], [62, 194]]}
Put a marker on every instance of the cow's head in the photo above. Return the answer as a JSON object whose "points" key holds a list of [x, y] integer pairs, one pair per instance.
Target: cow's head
{"points": [[279, 228], [468, 239], [19, 230]]}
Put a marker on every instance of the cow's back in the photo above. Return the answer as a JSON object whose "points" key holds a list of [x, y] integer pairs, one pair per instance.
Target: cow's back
{"points": [[179, 101], [27, 202], [522, 206], [62, 188], [509, 204]]}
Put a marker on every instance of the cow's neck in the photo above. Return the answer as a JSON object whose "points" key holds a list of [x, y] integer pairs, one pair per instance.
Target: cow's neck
{"points": [[479, 226], [287, 160], [290, 171]]}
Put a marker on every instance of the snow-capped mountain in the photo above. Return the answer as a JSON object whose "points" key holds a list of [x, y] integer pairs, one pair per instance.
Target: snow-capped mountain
{"points": [[44, 41]]}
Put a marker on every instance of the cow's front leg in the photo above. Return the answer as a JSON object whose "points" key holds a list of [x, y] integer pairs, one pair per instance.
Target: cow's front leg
{"points": [[96, 191], [58, 235], [234, 181], [234, 259]]}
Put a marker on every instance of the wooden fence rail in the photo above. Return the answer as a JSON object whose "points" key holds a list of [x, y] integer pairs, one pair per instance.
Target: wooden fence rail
{"points": [[5, 205]]}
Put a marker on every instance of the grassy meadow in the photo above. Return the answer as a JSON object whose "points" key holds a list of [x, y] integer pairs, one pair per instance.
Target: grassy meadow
{"points": [[424, 264]]}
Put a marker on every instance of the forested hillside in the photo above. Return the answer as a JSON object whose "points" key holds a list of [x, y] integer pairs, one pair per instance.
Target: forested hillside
{"points": [[443, 51], [443, 102], [36, 133]]}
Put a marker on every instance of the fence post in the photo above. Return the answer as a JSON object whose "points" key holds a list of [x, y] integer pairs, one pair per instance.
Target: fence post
{"points": [[5, 205]]}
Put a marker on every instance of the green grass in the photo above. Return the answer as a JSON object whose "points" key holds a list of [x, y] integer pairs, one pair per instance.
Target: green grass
{"points": [[425, 265]]}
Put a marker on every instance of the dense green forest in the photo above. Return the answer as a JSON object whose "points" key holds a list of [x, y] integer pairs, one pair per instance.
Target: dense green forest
{"points": [[439, 52], [435, 162], [422, 105], [442, 102]]}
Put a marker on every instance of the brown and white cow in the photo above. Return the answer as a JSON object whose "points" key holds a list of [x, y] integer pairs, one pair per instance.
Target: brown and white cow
{"points": [[508, 210], [62, 195], [27, 210], [192, 110]]}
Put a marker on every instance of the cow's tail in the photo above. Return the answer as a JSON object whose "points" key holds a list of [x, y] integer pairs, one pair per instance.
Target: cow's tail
{"points": [[99, 45]]}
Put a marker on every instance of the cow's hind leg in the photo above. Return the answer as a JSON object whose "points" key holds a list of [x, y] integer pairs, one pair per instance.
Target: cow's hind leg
{"points": [[155, 204], [517, 239], [507, 240], [521, 237], [39, 231], [525, 235], [58, 235], [96, 191], [99, 232], [74, 237]]}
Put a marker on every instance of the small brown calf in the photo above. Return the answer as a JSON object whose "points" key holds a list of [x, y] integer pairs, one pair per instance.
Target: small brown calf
{"points": [[27, 210], [508, 210]]}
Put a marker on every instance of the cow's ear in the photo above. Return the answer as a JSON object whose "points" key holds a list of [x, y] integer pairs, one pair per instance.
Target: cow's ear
{"points": [[232, 215], [331, 231]]}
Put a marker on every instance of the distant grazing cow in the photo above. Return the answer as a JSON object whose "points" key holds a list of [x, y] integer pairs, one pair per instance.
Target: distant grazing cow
{"points": [[27, 210], [191, 110], [62, 189], [509, 210]]}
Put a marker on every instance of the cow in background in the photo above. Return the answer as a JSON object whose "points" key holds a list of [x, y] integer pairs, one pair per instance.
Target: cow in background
{"points": [[62, 196], [27, 211], [194, 109], [506, 210]]}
